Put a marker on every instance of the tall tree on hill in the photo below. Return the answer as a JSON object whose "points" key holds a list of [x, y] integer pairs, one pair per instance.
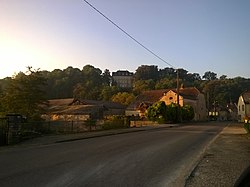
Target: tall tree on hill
{"points": [[62, 82], [209, 76], [146, 72], [91, 87], [183, 74], [106, 78], [168, 73], [55, 84]]}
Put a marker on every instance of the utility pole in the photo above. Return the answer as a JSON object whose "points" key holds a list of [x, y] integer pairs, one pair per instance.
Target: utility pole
{"points": [[178, 96], [178, 87]]}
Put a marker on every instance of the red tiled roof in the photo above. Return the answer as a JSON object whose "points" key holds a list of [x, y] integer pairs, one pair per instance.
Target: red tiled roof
{"points": [[188, 93], [149, 97]]}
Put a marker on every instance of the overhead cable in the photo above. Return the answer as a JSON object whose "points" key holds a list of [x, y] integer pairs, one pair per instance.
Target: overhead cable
{"points": [[126, 33]]}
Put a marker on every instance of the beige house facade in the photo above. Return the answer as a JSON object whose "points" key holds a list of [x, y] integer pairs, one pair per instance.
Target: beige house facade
{"points": [[188, 96]]}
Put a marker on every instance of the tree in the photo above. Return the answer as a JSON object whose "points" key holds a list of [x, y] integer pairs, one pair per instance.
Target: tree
{"points": [[162, 113], [169, 73], [183, 74], [108, 91], [146, 72], [165, 83], [25, 94], [209, 76], [193, 77], [143, 85], [106, 78], [123, 98], [157, 112], [79, 91], [223, 77], [91, 87], [172, 113], [187, 113]]}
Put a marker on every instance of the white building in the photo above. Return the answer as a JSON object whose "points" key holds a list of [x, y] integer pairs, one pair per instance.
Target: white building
{"points": [[123, 79], [244, 106]]}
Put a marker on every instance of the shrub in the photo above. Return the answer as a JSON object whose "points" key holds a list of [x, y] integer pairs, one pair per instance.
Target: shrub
{"points": [[157, 112], [163, 113], [187, 113], [172, 113], [90, 123], [114, 122], [247, 127], [247, 124]]}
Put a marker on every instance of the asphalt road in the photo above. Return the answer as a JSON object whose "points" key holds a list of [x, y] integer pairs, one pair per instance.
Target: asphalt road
{"points": [[162, 157]]}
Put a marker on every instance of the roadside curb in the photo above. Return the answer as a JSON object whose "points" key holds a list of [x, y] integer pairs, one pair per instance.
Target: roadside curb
{"points": [[54, 139], [201, 155], [116, 133]]}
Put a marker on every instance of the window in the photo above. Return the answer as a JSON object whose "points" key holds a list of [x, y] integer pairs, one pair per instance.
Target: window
{"points": [[243, 107]]}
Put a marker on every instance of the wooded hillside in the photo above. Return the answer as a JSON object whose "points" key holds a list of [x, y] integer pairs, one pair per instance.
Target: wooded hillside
{"points": [[92, 83]]}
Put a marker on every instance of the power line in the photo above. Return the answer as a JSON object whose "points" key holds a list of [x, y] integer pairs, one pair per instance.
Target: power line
{"points": [[126, 33]]}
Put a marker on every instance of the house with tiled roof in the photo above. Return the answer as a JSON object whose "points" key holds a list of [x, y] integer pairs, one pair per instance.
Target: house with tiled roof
{"points": [[244, 106], [71, 109], [143, 101], [187, 96]]}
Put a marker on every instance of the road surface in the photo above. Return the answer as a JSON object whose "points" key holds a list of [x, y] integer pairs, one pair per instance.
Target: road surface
{"points": [[162, 157]]}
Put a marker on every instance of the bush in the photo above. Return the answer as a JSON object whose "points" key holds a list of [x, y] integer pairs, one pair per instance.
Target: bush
{"points": [[187, 113], [114, 122], [90, 123], [172, 113], [247, 127], [157, 112], [163, 113]]}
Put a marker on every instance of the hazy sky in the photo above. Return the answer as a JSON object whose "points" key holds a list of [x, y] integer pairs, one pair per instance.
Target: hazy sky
{"points": [[197, 35]]}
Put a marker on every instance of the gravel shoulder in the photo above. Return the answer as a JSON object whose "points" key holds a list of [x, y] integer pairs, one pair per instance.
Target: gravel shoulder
{"points": [[224, 160]]}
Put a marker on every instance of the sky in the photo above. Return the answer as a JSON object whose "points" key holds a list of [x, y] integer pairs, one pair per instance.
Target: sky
{"points": [[196, 35]]}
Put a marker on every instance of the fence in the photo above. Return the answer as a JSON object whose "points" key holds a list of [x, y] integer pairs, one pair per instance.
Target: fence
{"points": [[3, 131], [14, 132], [9, 130], [60, 126]]}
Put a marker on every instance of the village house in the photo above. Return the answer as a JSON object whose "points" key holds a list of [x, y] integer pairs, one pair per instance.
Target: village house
{"points": [[223, 113], [244, 106], [71, 109], [187, 96]]}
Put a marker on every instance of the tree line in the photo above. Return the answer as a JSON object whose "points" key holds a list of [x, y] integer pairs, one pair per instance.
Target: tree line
{"points": [[27, 92]]}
